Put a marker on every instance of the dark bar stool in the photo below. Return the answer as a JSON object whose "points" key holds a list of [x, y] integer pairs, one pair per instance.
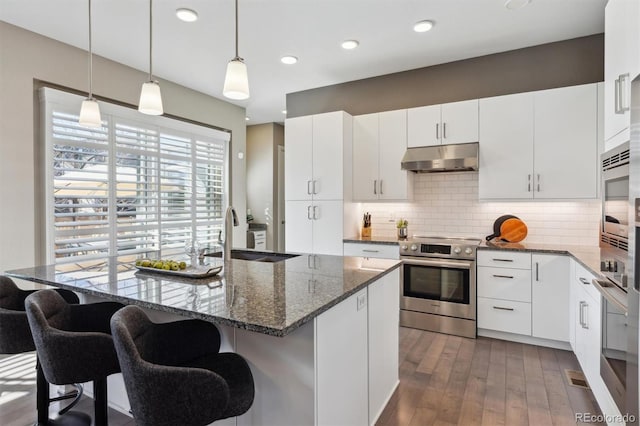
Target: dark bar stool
{"points": [[174, 373], [74, 344], [15, 338]]}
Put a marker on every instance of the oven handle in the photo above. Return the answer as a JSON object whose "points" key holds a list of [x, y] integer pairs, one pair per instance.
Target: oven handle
{"points": [[449, 263], [606, 291]]}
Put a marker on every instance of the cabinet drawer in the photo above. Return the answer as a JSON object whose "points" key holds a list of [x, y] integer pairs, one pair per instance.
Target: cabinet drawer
{"points": [[582, 276], [504, 283], [383, 251], [504, 315], [504, 259]]}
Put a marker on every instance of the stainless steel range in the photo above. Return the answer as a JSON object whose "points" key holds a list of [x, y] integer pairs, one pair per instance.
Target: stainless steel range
{"points": [[438, 284]]}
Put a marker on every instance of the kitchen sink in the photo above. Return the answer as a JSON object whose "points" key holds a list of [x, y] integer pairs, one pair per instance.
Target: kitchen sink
{"points": [[256, 256]]}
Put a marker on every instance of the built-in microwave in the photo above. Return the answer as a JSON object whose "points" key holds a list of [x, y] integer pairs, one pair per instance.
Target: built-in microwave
{"points": [[615, 198]]}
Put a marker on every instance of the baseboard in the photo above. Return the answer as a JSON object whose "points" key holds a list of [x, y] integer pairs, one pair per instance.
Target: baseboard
{"points": [[524, 339]]}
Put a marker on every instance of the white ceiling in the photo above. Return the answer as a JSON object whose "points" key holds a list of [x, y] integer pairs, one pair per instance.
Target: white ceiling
{"points": [[195, 54]]}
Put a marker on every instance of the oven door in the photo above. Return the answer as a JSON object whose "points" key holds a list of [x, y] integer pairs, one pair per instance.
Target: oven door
{"points": [[439, 286], [613, 357]]}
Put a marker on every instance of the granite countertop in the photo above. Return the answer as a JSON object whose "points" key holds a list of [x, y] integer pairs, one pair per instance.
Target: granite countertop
{"points": [[374, 240], [587, 256], [269, 298]]}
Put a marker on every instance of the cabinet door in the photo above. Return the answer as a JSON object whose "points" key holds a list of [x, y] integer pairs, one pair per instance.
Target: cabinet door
{"points": [[365, 157], [341, 363], [566, 142], [299, 226], [620, 49], [327, 227], [573, 305], [423, 126], [298, 135], [384, 319], [506, 138], [460, 122], [327, 156], [392, 184], [550, 297]]}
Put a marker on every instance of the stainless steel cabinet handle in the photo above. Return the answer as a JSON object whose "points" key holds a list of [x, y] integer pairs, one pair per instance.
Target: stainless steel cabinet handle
{"points": [[581, 314], [315, 212], [528, 183], [444, 130], [538, 182], [624, 104], [309, 261], [585, 306], [314, 187], [584, 281], [381, 193], [315, 261], [309, 187], [500, 308], [502, 260], [503, 276], [375, 187], [616, 98], [309, 212], [437, 130], [370, 251], [537, 273]]}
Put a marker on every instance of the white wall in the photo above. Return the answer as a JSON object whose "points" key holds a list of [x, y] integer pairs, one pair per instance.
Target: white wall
{"points": [[26, 57], [447, 205]]}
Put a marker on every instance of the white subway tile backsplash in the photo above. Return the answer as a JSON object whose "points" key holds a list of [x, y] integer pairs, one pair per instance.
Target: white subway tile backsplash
{"points": [[448, 204]]}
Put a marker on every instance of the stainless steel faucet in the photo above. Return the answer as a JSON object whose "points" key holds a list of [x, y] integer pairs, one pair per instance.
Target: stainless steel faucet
{"points": [[230, 220]]}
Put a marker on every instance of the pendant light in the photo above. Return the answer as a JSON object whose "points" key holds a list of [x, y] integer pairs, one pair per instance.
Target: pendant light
{"points": [[90, 110], [150, 97], [236, 82]]}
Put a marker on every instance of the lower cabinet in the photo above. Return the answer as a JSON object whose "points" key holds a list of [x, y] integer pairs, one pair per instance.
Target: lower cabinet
{"points": [[381, 251], [504, 315], [550, 297]]}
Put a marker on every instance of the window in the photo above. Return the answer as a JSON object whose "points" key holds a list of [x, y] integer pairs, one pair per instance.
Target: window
{"points": [[138, 184]]}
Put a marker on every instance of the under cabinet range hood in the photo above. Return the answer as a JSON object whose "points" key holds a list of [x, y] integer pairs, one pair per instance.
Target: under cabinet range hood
{"points": [[442, 158]]}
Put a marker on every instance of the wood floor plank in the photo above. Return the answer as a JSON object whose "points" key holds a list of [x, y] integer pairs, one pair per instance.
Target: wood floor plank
{"points": [[449, 408], [432, 356], [537, 400], [516, 412], [495, 396]]}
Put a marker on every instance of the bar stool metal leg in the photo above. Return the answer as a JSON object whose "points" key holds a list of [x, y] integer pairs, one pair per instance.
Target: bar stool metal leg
{"points": [[100, 401]]}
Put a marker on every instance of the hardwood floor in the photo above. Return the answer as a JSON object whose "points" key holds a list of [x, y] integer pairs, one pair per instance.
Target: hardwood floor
{"points": [[449, 380], [444, 380]]}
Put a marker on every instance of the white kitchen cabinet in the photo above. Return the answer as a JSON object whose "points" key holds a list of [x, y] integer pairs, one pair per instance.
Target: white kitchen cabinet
{"points": [[379, 143], [550, 297], [565, 149], [379, 251], [540, 145], [314, 226], [622, 65], [506, 154], [315, 154], [384, 321], [341, 363], [451, 123]]}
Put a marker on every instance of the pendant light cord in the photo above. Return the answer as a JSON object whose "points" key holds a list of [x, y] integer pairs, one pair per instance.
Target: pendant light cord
{"points": [[237, 56], [90, 57], [150, 39]]}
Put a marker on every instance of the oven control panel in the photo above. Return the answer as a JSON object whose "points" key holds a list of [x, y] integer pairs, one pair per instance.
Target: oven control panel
{"points": [[454, 250]]}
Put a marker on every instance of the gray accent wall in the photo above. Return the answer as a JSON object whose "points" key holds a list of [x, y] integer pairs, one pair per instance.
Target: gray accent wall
{"points": [[559, 64]]}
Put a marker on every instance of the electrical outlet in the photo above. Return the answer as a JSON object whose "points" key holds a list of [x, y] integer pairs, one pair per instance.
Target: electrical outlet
{"points": [[362, 301]]}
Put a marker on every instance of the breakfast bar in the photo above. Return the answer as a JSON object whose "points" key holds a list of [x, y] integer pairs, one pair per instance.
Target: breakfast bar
{"points": [[313, 328]]}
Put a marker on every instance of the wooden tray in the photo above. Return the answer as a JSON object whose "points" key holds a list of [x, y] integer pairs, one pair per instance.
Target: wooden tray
{"points": [[200, 271]]}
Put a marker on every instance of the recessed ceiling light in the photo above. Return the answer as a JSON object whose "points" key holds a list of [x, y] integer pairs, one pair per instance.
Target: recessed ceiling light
{"points": [[247, 118], [516, 4], [289, 60], [186, 15], [284, 111], [423, 26], [350, 44]]}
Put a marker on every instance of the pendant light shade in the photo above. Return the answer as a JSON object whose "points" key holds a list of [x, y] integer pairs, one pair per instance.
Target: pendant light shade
{"points": [[90, 113], [90, 110], [150, 98], [236, 81]]}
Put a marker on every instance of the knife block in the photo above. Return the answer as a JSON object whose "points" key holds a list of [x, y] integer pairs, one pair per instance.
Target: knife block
{"points": [[366, 232]]}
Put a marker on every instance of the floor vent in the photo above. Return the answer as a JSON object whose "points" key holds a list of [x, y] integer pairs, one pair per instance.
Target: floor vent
{"points": [[576, 378]]}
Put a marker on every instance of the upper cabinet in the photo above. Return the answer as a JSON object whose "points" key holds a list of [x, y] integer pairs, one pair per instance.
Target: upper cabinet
{"points": [[314, 156], [379, 143], [455, 122], [539, 145], [621, 66]]}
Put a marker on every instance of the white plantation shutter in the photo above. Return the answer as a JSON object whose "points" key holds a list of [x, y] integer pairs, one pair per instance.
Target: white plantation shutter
{"points": [[137, 184]]}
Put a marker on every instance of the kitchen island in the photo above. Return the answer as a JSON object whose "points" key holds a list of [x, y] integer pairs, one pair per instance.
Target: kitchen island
{"points": [[319, 332]]}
